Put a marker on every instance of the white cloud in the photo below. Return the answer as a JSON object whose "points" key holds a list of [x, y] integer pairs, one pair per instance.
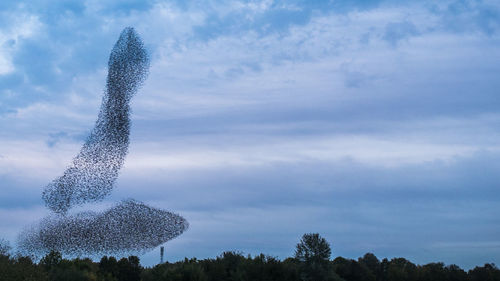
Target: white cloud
{"points": [[21, 26], [304, 67], [255, 149]]}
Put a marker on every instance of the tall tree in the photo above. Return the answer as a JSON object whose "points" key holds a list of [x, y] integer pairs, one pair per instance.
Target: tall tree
{"points": [[313, 252], [313, 249]]}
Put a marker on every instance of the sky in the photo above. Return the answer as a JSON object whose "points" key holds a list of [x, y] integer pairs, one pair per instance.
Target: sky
{"points": [[373, 123]]}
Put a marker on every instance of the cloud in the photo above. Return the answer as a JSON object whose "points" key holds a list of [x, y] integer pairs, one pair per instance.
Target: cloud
{"points": [[357, 207], [397, 31], [21, 28], [469, 16]]}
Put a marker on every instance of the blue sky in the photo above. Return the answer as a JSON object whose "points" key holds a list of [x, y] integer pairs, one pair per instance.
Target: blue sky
{"points": [[374, 123]]}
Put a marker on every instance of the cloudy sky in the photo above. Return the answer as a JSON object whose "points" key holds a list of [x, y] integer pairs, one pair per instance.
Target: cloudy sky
{"points": [[373, 123]]}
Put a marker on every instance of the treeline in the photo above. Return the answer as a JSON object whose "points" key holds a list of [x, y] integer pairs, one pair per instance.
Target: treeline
{"points": [[310, 262], [234, 266]]}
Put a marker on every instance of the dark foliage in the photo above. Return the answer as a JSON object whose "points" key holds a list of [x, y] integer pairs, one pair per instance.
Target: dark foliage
{"points": [[313, 254], [313, 249], [233, 266], [352, 270]]}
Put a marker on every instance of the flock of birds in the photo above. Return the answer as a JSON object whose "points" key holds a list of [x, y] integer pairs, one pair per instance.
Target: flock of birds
{"points": [[129, 226]]}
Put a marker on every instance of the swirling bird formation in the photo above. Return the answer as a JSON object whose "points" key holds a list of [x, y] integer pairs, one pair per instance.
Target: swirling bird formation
{"points": [[128, 227]]}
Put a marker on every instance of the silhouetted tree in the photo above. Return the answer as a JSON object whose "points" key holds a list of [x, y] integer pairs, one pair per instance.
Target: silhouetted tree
{"points": [[400, 269], [60, 269], [129, 269], [352, 270], [313, 248], [67, 270], [488, 272], [233, 266], [108, 268], [433, 272], [313, 252], [455, 273], [373, 264], [20, 268], [51, 260]]}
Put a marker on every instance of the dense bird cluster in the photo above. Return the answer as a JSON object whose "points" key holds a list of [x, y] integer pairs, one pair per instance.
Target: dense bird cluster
{"points": [[129, 227], [96, 167]]}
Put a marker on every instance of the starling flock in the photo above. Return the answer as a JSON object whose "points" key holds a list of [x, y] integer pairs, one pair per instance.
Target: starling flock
{"points": [[128, 227]]}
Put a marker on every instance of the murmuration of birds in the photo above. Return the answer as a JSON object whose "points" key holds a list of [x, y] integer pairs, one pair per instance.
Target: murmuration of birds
{"points": [[129, 226]]}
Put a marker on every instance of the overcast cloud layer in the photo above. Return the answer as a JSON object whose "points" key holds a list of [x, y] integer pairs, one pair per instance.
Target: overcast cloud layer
{"points": [[374, 123]]}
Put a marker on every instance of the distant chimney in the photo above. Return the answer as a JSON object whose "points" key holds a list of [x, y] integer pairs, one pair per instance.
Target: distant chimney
{"points": [[162, 250]]}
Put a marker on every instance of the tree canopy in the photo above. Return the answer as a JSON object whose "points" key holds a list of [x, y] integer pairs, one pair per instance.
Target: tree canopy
{"points": [[311, 262], [313, 248]]}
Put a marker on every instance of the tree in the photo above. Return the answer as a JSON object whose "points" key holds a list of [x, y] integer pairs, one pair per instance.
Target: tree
{"points": [[488, 272], [313, 249], [455, 273], [51, 260], [401, 269], [372, 263], [313, 252], [108, 268], [129, 269], [352, 270]]}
